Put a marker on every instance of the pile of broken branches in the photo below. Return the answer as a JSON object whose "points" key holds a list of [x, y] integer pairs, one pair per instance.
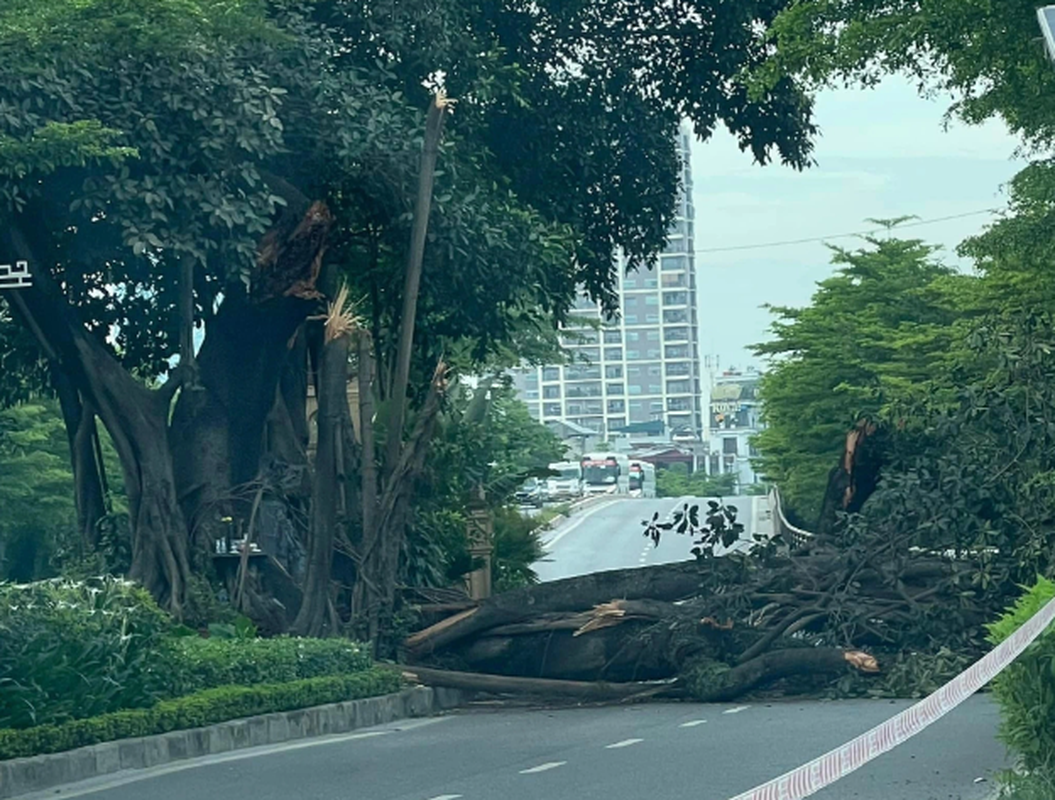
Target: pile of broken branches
{"points": [[711, 628]]}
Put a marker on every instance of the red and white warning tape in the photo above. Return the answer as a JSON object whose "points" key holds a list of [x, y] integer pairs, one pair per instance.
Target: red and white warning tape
{"points": [[836, 764]]}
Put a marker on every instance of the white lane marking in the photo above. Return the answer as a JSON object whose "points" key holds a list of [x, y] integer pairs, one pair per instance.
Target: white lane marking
{"points": [[446, 797], [543, 767], [693, 723], [577, 522], [624, 743], [94, 785], [736, 710]]}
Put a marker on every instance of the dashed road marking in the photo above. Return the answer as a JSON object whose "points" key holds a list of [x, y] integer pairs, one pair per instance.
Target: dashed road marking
{"points": [[446, 797], [692, 723], [543, 767], [736, 710], [624, 743]]}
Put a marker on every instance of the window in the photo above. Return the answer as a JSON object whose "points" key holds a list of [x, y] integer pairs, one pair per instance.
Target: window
{"points": [[677, 351], [550, 374], [583, 373], [616, 406], [614, 371], [633, 372], [634, 388], [550, 392], [632, 336], [613, 337], [678, 404], [531, 379], [672, 279], [676, 334], [531, 394], [652, 300], [651, 318], [592, 407], [653, 336], [630, 319], [654, 388], [614, 423], [533, 410], [630, 281], [679, 387], [675, 263], [615, 388], [585, 337], [551, 409], [583, 390], [675, 298], [613, 353], [677, 369], [655, 370], [651, 282], [573, 408], [675, 315], [729, 445], [656, 406], [590, 354]]}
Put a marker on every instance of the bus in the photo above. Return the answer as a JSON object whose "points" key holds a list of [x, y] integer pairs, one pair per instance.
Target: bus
{"points": [[606, 473], [566, 484], [643, 478]]}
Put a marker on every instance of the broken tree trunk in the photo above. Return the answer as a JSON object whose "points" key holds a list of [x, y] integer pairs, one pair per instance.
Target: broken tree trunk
{"points": [[329, 506], [710, 682], [664, 582]]}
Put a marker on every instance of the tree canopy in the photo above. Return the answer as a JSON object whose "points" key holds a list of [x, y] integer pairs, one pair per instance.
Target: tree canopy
{"points": [[884, 329]]}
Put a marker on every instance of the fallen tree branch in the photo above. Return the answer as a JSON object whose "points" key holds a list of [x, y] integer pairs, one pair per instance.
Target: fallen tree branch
{"points": [[500, 684]]}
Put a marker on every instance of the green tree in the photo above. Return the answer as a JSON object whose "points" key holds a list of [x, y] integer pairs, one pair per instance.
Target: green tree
{"points": [[36, 493], [990, 57], [675, 481], [885, 328]]}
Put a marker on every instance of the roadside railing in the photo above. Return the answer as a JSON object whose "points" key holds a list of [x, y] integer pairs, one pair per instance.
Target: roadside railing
{"points": [[790, 533]]}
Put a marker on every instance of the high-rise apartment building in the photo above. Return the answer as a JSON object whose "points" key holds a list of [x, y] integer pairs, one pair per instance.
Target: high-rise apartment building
{"points": [[639, 373]]}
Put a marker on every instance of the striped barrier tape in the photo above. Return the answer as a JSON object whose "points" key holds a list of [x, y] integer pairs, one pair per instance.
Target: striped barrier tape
{"points": [[840, 762]]}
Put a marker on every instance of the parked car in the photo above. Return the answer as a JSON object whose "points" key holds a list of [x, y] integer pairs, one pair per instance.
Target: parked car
{"points": [[531, 493]]}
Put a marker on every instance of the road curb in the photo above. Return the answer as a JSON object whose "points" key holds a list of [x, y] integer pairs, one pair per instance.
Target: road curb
{"points": [[22, 776]]}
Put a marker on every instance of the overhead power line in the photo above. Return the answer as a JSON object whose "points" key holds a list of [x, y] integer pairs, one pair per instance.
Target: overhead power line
{"points": [[869, 232]]}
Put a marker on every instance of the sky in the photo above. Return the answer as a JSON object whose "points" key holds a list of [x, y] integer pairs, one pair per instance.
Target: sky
{"points": [[882, 153]]}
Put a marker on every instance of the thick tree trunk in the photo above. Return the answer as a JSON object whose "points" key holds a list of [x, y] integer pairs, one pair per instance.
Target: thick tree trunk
{"points": [[220, 425], [667, 582], [135, 417], [316, 611]]}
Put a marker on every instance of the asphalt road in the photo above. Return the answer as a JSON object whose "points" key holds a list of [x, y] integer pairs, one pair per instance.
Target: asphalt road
{"points": [[677, 751], [609, 535]]}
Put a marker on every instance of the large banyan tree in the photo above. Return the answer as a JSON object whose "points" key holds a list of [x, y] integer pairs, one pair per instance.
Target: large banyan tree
{"points": [[230, 207]]}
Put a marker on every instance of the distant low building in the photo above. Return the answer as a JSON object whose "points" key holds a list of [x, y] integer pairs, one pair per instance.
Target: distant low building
{"points": [[735, 417]]}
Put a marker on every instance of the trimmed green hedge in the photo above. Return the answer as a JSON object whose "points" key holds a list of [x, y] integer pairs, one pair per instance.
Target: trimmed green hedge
{"points": [[204, 708], [196, 664]]}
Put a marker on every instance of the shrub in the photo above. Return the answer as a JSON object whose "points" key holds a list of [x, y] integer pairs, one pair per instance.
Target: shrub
{"points": [[204, 708], [74, 649], [1026, 693], [196, 664]]}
